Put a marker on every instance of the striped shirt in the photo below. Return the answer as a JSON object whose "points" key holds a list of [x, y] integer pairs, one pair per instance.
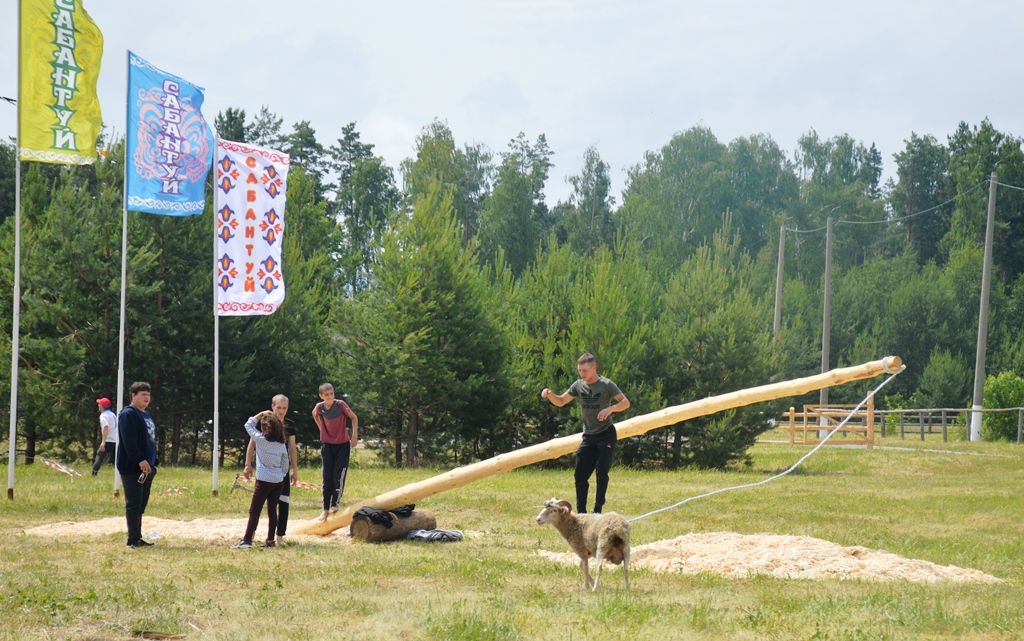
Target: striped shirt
{"points": [[271, 457]]}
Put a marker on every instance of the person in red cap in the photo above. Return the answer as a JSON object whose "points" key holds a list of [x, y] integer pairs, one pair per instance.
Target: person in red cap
{"points": [[108, 425]]}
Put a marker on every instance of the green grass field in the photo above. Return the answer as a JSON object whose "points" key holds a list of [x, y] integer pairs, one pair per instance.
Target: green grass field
{"points": [[949, 508]]}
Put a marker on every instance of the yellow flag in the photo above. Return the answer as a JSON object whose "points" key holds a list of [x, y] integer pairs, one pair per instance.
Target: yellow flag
{"points": [[58, 109]]}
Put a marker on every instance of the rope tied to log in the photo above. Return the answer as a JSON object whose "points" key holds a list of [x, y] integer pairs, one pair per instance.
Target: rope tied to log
{"points": [[893, 374]]}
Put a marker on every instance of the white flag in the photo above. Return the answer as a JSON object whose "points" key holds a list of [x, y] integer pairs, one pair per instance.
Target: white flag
{"points": [[250, 188]]}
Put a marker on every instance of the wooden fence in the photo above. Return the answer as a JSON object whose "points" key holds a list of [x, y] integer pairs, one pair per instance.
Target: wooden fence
{"points": [[815, 421], [807, 426], [921, 422]]}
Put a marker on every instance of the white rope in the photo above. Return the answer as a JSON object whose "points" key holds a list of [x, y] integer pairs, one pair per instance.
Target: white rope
{"points": [[780, 474]]}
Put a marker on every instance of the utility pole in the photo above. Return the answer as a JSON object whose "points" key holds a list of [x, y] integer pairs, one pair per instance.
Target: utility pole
{"points": [[826, 322], [777, 324], [986, 281]]}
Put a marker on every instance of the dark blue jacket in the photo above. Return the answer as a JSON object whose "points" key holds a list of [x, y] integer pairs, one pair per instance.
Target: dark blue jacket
{"points": [[136, 439]]}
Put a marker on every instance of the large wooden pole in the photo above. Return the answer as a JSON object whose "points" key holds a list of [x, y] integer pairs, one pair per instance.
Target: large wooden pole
{"points": [[635, 426]]}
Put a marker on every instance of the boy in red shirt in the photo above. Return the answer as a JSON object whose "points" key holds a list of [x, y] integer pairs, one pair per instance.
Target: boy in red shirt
{"points": [[331, 416]]}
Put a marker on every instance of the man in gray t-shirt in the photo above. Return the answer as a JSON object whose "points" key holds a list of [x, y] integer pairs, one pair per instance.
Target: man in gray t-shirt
{"points": [[599, 399]]}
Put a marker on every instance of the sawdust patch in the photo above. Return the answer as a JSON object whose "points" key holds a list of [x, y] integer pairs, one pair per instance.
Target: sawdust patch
{"points": [[787, 557], [211, 530]]}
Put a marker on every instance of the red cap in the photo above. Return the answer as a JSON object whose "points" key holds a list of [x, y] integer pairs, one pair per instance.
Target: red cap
{"points": [[105, 402]]}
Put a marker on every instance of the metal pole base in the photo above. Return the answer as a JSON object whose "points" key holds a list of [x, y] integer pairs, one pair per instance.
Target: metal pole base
{"points": [[974, 433]]}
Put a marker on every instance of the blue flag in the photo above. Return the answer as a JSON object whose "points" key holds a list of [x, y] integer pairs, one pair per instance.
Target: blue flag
{"points": [[170, 146]]}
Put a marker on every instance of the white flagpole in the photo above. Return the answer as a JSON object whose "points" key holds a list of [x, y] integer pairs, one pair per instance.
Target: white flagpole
{"points": [[16, 319], [216, 335], [124, 266], [121, 331], [13, 432]]}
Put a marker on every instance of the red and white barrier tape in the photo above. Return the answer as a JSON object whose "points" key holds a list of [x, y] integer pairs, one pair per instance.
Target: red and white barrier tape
{"points": [[302, 484], [60, 467]]}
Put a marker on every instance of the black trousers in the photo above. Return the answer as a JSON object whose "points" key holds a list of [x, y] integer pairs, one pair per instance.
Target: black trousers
{"points": [[335, 458], [596, 452], [108, 454], [269, 493], [136, 497], [282, 506]]}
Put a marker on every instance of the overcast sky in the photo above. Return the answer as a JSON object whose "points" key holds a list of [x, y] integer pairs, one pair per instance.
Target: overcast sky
{"points": [[620, 76]]}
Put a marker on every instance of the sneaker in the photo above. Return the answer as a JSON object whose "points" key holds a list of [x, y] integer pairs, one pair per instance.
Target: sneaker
{"points": [[281, 541], [242, 545], [269, 543], [143, 543]]}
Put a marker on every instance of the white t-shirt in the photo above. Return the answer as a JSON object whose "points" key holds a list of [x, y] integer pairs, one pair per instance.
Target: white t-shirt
{"points": [[109, 419]]}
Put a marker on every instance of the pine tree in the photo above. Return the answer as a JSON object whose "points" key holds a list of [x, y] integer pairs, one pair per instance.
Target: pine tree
{"points": [[714, 334], [430, 357]]}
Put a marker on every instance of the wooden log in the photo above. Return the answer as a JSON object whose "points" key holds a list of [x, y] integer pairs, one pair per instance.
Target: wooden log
{"points": [[414, 492], [363, 529]]}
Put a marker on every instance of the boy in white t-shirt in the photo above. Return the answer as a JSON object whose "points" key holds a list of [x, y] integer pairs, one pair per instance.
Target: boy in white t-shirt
{"points": [[108, 426]]}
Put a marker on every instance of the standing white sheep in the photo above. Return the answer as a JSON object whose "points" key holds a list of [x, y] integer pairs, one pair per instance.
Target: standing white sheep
{"points": [[603, 536]]}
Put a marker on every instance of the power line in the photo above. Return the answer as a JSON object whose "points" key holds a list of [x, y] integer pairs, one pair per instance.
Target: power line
{"points": [[901, 218], [917, 213], [1018, 188], [804, 231]]}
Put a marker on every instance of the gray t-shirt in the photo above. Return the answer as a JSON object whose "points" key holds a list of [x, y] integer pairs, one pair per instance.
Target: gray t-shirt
{"points": [[594, 397]]}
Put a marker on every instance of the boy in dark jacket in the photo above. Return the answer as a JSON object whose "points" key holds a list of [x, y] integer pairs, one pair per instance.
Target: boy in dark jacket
{"points": [[136, 459]]}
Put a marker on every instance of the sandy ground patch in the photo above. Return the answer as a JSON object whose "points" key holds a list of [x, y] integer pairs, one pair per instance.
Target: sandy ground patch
{"points": [[725, 553], [211, 530], [789, 557]]}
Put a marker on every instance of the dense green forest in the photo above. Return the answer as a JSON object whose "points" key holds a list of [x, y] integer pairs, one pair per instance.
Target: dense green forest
{"points": [[441, 296]]}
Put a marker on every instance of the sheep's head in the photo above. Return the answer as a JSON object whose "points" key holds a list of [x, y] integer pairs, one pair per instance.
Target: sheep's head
{"points": [[554, 509]]}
